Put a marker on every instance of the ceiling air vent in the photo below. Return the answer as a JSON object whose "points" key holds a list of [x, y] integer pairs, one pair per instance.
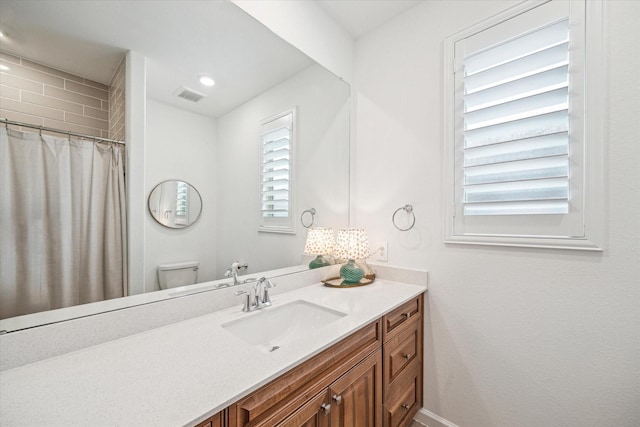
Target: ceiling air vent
{"points": [[189, 94]]}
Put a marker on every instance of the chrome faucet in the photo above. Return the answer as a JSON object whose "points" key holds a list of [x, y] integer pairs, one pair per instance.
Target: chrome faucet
{"points": [[233, 271], [257, 296]]}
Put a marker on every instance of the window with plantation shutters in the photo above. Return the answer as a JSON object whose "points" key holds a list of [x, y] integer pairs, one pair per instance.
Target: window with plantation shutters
{"points": [[276, 212], [182, 203], [517, 135]]}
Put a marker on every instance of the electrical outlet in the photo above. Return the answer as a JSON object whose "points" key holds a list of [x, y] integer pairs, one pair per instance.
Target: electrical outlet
{"points": [[381, 255]]}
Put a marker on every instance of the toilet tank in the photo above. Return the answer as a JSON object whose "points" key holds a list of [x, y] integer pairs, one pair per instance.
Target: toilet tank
{"points": [[177, 274]]}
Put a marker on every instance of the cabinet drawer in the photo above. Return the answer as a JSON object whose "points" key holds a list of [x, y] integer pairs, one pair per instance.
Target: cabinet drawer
{"points": [[400, 316], [400, 351], [404, 399]]}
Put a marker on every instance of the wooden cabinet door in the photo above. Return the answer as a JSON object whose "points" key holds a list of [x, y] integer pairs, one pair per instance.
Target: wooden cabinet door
{"points": [[356, 397], [314, 413]]}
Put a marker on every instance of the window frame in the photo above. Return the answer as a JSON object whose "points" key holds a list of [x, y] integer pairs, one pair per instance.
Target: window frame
{"points": [[592, 152]]}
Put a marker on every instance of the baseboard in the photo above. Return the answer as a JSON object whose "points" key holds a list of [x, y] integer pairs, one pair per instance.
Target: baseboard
{"points": [[430, 419]]}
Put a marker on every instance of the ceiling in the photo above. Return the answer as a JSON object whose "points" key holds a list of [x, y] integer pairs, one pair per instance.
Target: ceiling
{"points": [[180, 39], [359, 17]]}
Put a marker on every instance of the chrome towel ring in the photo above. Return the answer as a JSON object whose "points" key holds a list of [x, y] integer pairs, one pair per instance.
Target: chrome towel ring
{"points": [[409, 210], [312, 214]]}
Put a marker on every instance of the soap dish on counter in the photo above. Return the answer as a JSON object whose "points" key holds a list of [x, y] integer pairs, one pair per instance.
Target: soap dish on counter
{"points": [[337, 282]]}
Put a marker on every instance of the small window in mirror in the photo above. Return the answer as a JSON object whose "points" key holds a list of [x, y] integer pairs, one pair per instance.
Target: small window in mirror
{"points": [[182, 203], [276, 186]]}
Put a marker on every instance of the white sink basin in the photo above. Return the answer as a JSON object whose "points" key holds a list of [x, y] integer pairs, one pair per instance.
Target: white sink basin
{"points": [[276, 326]]}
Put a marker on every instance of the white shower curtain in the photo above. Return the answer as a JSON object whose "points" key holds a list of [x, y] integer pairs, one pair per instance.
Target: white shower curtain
{"points": [[62, 222]]}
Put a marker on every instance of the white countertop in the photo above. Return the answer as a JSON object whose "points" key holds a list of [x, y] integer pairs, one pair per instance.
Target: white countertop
{"points": [[182, 373]]}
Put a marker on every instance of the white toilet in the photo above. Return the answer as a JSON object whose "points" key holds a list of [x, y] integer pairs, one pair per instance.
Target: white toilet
{"points": [[177, 274]]}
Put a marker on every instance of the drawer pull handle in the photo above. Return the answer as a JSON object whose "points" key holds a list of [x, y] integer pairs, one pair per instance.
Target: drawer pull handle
{"points": [[406, 356], [406, 407], [326, 408], [406, 315], [337, 398]]}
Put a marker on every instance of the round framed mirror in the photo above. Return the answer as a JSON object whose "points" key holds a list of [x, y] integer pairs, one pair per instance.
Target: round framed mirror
{"points": [[175, 204]]}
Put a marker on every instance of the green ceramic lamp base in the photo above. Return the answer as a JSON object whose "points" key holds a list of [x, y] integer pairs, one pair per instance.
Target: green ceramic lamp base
{"points": [[351, 273], [318, 262]]}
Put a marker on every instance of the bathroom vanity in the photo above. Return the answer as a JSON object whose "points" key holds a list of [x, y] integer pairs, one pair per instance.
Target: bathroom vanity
{"points": [[347, 384], [362, 361]]}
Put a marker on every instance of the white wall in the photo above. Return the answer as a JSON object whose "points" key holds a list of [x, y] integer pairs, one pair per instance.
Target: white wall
{"points": [[181, 145], [514, 337], [321, 162]]}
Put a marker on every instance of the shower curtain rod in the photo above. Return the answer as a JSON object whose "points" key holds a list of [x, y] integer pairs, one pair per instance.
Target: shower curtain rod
{"points": [[7, 122]]}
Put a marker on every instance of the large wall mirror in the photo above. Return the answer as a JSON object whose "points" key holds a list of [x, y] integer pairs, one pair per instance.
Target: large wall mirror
{"points": [[213, 144]]}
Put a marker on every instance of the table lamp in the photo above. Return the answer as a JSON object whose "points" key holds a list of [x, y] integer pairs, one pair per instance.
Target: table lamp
{"points": [[320, 241], [352, 244]]}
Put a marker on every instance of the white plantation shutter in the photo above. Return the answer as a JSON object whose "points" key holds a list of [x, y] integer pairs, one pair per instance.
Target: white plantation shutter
{"points": [[276, 174], [275, 171], [182, 203], [515, 125]]}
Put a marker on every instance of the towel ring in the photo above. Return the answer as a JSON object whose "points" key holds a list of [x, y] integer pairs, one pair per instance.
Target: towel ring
{"points": [[311, 212], [408, 209]]}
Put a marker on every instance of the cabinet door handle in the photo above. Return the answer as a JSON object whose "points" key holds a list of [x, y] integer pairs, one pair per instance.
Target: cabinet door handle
{"points": [[407, 356], [406, 407], [326, 408], [337, 398], [407, 315]]}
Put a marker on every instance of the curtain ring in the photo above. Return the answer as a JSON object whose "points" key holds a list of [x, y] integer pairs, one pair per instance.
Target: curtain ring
{"points": [[311, 212], [408, 209]]}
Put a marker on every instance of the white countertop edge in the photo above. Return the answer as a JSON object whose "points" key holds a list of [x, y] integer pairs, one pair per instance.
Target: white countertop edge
{"points": [[86, 375]]}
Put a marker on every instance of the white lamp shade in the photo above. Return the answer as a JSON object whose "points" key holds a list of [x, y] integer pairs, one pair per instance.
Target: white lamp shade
{"points": [[320, 241], [352, 243]]}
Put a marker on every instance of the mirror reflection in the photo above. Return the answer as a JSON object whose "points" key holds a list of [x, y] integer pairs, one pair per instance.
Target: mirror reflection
{"points": [[175, 204], [212, 143]]}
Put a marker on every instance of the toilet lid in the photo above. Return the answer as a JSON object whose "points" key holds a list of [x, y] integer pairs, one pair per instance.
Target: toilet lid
{"points": [[178, 265]]}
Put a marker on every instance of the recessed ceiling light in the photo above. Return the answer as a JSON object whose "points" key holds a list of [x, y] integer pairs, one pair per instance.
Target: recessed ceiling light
{"points": [[206, 80], [4, 67]]}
